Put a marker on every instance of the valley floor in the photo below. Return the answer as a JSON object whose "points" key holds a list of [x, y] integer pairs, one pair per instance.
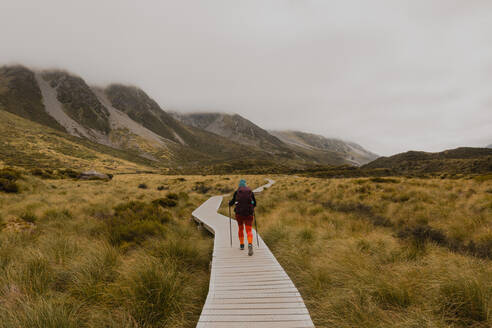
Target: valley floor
{"points": [[363, 252]]}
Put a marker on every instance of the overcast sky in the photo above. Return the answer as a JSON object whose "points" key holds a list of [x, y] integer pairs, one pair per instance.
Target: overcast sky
{"points": [[391, 75]]}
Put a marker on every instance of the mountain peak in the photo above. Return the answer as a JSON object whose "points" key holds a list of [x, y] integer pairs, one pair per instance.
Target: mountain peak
{"points": [[352, 152], [126, 117], [78, 100]]}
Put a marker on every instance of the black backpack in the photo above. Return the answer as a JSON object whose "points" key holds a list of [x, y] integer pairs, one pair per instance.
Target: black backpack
{"points": [[244, 199]]}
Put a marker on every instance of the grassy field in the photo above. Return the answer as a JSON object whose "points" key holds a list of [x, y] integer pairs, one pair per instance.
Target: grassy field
{"points": [[380, 252], [105, 254], [385, 252]]}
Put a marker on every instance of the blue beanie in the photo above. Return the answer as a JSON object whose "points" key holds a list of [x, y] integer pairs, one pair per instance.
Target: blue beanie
{"points": [[242, 183]]}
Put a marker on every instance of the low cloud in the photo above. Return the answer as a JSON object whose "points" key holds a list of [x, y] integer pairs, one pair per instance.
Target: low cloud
{"points": [[391, 75]]}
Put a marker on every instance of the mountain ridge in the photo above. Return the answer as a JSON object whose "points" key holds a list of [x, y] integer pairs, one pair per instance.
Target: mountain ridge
{"points": [[458, 160], [125, 117], [243, 131], [352, 151]]}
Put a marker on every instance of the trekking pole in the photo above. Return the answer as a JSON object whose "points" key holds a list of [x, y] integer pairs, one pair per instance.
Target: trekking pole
{"points": [[230, 225], [257, 238]]}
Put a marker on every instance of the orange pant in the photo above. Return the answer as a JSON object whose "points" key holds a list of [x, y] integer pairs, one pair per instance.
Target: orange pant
{"points": [[245, 221]]}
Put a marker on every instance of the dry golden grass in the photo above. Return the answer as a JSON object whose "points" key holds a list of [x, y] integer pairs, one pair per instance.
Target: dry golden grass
{"points": [[60, 268], [340, 241], [352, 246]]}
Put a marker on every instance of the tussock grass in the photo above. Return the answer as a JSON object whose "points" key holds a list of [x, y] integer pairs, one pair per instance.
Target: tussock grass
{"points": [[105, 254], [384, 252]]}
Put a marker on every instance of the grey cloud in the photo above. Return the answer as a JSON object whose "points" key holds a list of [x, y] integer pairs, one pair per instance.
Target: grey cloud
{"points": [[391, 75]]}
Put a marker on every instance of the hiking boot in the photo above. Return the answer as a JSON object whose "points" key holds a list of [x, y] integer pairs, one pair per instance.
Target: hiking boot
{"points": [[241, 247], [250, 249]]}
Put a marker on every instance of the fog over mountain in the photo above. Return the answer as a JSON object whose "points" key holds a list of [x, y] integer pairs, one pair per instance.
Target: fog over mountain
{"points": [[390, 75]]}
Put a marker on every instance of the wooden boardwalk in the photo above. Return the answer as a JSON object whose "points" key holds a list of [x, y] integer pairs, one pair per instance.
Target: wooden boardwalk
{"points": [[246, 291]]}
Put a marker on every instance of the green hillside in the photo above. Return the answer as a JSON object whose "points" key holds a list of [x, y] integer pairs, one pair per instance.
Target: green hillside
{"points": [[27, 144]]}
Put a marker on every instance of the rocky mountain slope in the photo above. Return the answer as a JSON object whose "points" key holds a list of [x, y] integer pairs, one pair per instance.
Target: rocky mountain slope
{"points": [[126, 118], [243, 131], [121, 117], [350, 151], [233, 127], [20, 94]]}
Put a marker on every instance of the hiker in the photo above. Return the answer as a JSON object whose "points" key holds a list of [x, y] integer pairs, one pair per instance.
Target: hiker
{"points": [[245, 202]]}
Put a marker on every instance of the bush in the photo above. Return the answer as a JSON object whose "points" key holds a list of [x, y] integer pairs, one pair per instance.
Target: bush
{"points": [[134, 221], [384, 180], [165, 202], [10, 174], [68, 173], [142, 186], [201, 188], [172, 196], [44, 174], [161, 188], [8, 186], [422, 233], [8, 178], [29, 217]]}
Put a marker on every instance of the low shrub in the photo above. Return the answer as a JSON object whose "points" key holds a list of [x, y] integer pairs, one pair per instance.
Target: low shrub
{"points": [[8, 178], [172, 196], [10, 174], [68, 173], [423, 233], [161, 188], [384, 180], [134, 221], [44, 174], [8, 186], [201, 188], [165, 202], [29, 217], [142, 186]]}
